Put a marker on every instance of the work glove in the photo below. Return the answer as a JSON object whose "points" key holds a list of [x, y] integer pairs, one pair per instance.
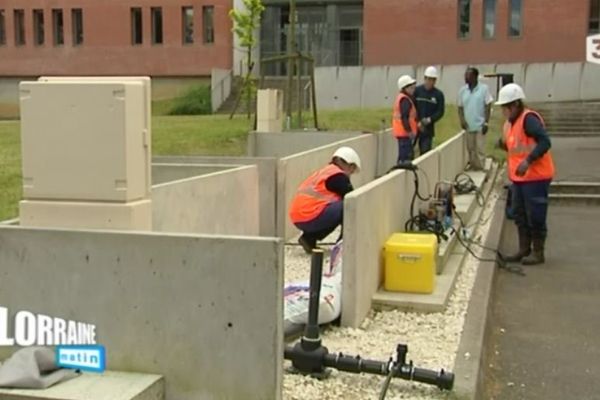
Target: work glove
{"points": [[484, 129], [522, 168], [426, 121]]}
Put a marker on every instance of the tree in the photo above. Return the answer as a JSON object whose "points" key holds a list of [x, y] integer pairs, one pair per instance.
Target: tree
{"points": [[245, 24]]}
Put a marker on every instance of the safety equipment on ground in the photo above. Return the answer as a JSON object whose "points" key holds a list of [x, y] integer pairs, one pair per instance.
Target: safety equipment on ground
{"points": [[398, 128], [509, 93], [537, 255], [312, 196], [349, 155], [519, 146], [431, 72], [405, 80]]}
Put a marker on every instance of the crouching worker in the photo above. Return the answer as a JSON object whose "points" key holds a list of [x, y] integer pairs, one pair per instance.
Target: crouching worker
{"points": [[530, 168], [317, 207]]}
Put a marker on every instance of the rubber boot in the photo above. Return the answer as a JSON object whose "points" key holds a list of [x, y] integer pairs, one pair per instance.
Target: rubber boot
{"points": [[524, 248], [537, 255]]}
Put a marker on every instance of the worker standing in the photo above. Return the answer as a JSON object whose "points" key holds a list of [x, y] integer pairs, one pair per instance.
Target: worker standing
{"points": [[530, 168], [474, 107], [317, 208], [404, 118], [430, 108]]}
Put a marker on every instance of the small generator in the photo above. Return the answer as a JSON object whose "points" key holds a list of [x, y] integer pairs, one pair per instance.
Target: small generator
{"points": [[436, 215]]}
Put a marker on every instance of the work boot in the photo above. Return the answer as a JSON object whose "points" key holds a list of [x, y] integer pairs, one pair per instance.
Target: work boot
{"points": [[537, 255], [307, 244], [524, 248]]}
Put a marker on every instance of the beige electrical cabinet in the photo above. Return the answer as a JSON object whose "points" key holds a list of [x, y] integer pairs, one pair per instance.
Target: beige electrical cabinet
{"points": [[84, 141], [269, 110], [136, 215]]}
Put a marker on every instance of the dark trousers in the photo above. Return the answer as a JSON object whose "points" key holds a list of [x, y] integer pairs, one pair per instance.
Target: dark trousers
{"points": [[530, 207], [425, 142], [405, 150], [320, 227]]}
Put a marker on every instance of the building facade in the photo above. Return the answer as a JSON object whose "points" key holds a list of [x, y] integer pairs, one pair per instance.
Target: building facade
{"points": [[114, 37], [173, 38]]}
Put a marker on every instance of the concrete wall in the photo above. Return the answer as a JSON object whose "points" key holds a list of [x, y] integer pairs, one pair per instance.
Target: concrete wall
{"points": [[375, 86], [220, 86], [167, 172], [294, 169], [371, 214], [375, 211], [267, 181], [204, 311], [278, 145], [223, 202]]}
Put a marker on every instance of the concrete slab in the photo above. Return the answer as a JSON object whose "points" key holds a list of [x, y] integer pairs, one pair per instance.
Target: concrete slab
{"points": [[109, 385], [586, 152]]}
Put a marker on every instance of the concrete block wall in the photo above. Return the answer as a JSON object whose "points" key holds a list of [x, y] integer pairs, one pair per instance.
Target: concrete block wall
{"points": [[223, 202], [167, 172], [375, 86], [267, 181], [203, 311], [278, 145], [376, 210], [294, 169]]}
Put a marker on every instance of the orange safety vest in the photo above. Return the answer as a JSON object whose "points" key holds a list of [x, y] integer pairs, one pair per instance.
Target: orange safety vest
{"points": [[312, 196], [397, 125], [519, 146]]}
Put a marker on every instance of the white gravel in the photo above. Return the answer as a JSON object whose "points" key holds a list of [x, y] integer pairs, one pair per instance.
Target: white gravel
{"points": [[432, 339]]}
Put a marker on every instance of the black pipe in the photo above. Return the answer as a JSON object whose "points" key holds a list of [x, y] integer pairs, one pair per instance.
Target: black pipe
{"points": [[316, 275]]}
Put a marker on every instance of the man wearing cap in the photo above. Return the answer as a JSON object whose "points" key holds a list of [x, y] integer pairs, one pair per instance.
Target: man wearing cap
{"points": [[530, 168], [404, 118], [474, 108], [318, 205], [430, 108]]}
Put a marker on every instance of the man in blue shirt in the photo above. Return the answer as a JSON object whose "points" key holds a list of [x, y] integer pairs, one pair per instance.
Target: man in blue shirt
{"points": [[430, 108], [474, 107]]}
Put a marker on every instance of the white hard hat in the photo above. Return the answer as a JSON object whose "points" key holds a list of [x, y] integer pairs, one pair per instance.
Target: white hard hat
{"points": [[349, 155], [431, 72], [509, 93], [404, 81]]}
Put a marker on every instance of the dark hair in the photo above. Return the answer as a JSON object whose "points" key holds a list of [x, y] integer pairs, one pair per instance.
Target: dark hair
{"points": [[473, 70]]}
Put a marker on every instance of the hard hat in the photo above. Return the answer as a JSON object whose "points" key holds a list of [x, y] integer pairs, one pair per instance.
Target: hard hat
{"points": [[509, 93], [349, 155], [404, 81], [431, 72]]}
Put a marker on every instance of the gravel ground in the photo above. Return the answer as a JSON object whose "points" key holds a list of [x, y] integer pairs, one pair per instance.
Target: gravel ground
{"points": [[432, 339]]}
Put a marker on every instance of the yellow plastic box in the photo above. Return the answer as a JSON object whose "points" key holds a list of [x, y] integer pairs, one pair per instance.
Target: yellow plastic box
{"points": [[410, 263]]}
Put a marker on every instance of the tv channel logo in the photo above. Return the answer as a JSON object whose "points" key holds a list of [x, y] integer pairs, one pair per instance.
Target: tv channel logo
{"points": [[90, 358], [593, 49]]}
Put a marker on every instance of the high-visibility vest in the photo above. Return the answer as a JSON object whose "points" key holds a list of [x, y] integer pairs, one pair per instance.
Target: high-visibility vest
{"points": [[519, 146], [313, 196], [398, 129]]}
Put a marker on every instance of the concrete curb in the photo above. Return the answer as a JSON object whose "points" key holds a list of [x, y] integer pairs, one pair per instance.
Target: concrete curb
{"points": [[471, 356]]}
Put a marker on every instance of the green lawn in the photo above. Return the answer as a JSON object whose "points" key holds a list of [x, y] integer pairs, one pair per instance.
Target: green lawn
{"points": [[208, 135]]}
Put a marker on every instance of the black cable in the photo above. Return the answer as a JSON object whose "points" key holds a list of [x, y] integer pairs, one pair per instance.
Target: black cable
{"points": [[466, 185], [386, 385]]}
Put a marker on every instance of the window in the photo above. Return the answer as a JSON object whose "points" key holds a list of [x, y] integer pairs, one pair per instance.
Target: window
{"points": [[38, 27], [594, 23], [58, 27], [489, 18], [77, 24], [208, 33], [157, 25], [136, 26], [19, 23], [187, 16], [464, 18], [515, 15], [2, 29]]}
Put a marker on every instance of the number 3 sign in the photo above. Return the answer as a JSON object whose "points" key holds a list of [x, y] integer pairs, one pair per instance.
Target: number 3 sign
{"points": [[593, 49]]}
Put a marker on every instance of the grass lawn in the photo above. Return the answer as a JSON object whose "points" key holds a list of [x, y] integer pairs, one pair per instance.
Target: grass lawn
{"points": [[210, 135]]}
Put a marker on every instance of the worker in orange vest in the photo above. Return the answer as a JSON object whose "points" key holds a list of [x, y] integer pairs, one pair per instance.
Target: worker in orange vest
{"points": [[404, 118], [317, 207], [530, 168]]}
